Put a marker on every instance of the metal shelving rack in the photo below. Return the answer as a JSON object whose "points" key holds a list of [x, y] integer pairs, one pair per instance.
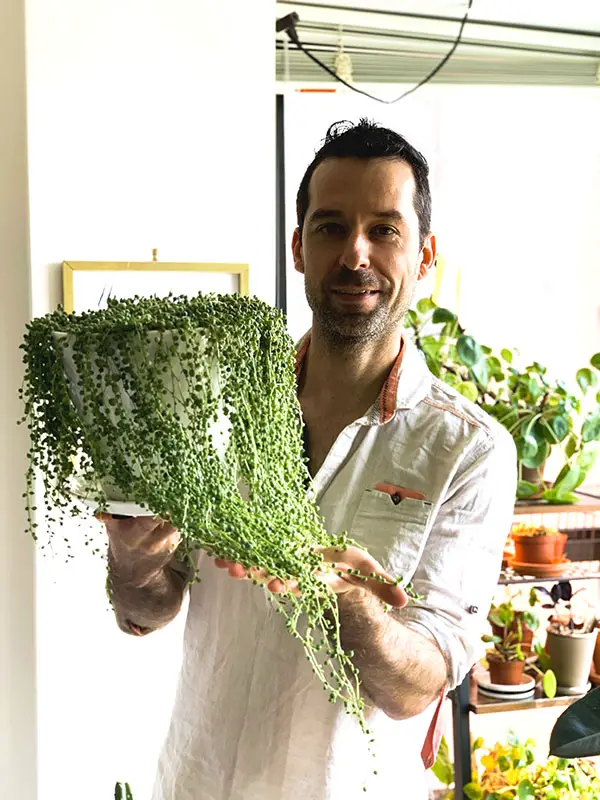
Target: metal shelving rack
{"points": [[465, 698]]}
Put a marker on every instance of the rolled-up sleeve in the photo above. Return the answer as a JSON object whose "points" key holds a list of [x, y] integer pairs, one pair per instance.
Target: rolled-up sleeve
{"points": [[460, 564]]}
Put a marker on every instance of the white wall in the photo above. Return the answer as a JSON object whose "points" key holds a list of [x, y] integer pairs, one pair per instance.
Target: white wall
{"points": [[151, 124], [17, 646]]}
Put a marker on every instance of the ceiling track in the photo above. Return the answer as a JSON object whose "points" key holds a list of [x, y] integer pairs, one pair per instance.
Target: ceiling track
{"points": [[442, 18], [350, 31]]}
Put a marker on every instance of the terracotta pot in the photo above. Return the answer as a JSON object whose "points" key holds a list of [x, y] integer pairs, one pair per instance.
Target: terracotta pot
{"points": [[533, 474], [548, 549], [505, 672], [571, 657], [527, 633]]}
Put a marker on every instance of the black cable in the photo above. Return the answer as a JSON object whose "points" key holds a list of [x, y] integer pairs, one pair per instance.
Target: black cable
{"points": [[293, 35]]}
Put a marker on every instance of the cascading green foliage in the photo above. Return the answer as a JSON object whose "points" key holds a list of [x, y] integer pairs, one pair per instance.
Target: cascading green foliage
{"points": [[154, 377]]}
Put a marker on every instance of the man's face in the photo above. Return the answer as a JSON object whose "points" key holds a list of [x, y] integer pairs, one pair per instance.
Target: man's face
{"points": [[359, 252]]}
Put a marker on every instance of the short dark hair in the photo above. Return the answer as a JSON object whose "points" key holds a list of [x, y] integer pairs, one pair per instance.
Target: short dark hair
{"points": [[367, 139]]}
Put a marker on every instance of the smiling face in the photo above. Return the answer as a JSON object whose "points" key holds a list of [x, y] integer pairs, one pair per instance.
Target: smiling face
{"points": [[359, 251]]}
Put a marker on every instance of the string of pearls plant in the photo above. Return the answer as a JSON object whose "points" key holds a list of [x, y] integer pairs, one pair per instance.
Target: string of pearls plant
{"points": [[175, 404]]}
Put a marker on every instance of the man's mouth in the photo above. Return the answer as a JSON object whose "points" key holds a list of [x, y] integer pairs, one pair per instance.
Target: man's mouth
{"points": [[355, 291]]}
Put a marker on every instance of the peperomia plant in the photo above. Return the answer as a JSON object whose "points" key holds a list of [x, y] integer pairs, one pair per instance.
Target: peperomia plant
{"points": [[540, 414], [188, 408]]}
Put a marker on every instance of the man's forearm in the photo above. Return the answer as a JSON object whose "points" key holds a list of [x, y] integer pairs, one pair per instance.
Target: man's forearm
{"points": [[144, 603], [401, 670]]}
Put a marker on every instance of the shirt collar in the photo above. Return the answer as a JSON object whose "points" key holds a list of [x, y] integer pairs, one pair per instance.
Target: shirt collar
{"points": [[406, 385]]}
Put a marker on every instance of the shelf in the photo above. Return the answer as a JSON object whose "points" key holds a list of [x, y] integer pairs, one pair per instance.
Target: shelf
{"points": [[588, 504], [479, 704], [575, 571]]}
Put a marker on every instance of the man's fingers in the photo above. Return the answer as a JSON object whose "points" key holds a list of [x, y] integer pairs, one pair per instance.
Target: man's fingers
{"points": [[274, 585], [340, 581]]}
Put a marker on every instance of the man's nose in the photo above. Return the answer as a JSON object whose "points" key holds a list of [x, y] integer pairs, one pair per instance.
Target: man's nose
{"points": [[356, 252]]}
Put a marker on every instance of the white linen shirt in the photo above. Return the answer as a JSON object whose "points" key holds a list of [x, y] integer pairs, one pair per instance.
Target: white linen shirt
{"points": [[251, 721]]}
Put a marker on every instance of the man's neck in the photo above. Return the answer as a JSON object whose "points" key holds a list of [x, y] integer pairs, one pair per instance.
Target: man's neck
{"points": [[333, 376]]}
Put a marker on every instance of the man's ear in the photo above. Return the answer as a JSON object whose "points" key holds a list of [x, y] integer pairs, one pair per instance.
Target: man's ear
{"points": [[297, 251], [428, 254]]}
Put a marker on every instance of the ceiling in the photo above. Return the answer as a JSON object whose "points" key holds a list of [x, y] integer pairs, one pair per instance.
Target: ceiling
{"points": [[390, 41]]}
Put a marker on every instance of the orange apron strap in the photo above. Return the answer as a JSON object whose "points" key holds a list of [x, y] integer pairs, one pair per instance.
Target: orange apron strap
{"points": [[434, 734]]}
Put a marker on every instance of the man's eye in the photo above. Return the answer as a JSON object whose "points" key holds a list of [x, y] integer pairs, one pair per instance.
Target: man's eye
{"points": [[330, 228], [385, 230]]}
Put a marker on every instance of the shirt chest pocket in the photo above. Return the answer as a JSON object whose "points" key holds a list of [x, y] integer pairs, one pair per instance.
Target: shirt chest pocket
{"points": [[393, 533]]}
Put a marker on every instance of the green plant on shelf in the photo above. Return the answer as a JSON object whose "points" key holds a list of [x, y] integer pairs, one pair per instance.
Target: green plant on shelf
{"points": [[506, 615], [540, 414], [507, 642], [509, 771], [505, 648]]}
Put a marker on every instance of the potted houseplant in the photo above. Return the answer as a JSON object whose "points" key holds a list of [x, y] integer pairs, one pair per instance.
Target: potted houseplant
{"points": [[125, 399], [510, 771], [540, 414], [506, 659], [571, 638], [537, 544], [505, 615]]}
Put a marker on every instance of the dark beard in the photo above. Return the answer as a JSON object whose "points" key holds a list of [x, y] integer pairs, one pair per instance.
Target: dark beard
{"points": [[348, 331]]}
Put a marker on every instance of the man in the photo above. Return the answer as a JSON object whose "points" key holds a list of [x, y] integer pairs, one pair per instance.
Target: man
{"points": [[416, 473]]}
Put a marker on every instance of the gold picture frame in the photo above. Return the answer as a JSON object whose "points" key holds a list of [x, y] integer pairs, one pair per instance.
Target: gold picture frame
{"points": [[88, 284]]}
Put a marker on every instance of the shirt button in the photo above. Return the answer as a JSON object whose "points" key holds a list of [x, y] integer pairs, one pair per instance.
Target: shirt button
{"points": [[396, 499]]}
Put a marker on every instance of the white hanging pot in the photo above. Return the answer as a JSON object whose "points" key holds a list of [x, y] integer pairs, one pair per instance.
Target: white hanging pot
{"points": [[118, 404]]}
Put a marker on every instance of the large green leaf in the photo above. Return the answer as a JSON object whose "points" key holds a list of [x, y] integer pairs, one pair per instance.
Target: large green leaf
{"points": [[469, 352], [549, 683], [587, 458], [591, 428], [568, 479], [443, 315], [504, 763], [526, 489], [534, 390], [585, 379], [526, 790], [571, 446], [527, 447], [595, 360], [473, 791], [469, 390], [425, 304], [560, 427], [481, 373], [443, 769], [539, 458], [576, 733], [559, 498], [507, 355], [495, 367], [410, 318]]}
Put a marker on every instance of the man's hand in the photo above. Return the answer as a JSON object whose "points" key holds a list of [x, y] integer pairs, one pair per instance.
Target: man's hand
{"points": [[335, 573], [140, 546]]}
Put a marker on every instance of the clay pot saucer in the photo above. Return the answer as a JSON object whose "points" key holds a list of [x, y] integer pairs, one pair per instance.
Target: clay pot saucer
{"points": [[552, 570]]}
